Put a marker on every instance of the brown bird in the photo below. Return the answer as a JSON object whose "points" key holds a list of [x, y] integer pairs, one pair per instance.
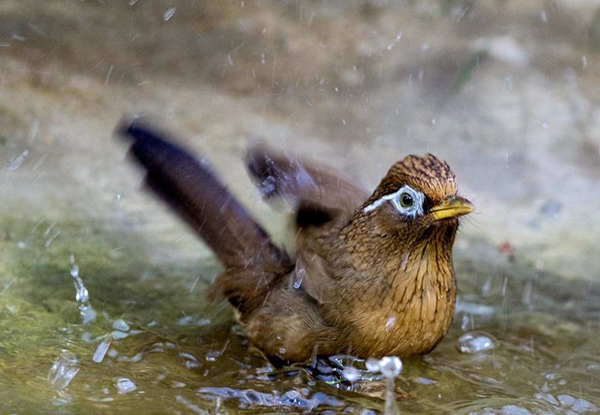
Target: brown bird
{"points": [[371, 275]]}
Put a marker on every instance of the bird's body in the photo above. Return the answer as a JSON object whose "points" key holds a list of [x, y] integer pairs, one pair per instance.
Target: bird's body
{"points": [[371, 275]]}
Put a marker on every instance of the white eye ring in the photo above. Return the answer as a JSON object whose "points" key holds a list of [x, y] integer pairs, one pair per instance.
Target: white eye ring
{"points": [[407, 201]]}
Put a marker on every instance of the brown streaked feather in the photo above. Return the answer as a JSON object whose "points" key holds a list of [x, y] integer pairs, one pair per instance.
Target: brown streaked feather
{"points": [[429, 174]]}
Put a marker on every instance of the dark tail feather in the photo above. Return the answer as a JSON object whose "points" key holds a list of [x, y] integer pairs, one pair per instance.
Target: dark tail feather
{"points": [[196, 195]]}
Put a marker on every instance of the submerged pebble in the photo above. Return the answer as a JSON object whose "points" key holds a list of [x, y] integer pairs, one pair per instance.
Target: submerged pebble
{"points": [[475, 342]]}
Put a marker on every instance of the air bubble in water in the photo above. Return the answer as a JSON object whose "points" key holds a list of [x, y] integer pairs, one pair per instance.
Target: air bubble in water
{"points": [[475, 342]]}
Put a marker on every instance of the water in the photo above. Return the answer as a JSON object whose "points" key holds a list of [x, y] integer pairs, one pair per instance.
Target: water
{"points": [[507, 97], [475, 343], [544, 359]]}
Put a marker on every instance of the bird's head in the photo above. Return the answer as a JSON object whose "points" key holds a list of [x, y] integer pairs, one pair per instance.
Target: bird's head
{"points": [[416, 194]]}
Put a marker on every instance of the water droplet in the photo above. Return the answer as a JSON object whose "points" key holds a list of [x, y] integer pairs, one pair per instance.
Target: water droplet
{"points": [[466, 320], [16, 161], [514, 410], [100, 352], [391, 322], [64, 369], [88, 314], [425, 381], [299, 277], [169, 13], [475, 342], [351, 374], [487, 286], [125, 385], [213, 355], [120, 324], [372, 364], [117, 335], [390, 367]]}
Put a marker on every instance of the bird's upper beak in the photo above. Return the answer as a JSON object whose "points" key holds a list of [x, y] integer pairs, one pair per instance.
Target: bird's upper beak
{"points": [[451, 207]]}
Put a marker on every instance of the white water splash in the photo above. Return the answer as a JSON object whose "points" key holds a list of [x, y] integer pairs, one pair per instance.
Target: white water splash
{"points": [[88, 314]]}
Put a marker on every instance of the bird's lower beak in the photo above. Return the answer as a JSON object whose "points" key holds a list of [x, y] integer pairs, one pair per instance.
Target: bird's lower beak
{"points": [[451, 207]]}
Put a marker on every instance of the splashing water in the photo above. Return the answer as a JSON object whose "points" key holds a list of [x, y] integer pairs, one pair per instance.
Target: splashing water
{"points": [[390, 368], [299, 277], [64, 369], [101, 351], [88, 314], [169, 13], [16, 161]]}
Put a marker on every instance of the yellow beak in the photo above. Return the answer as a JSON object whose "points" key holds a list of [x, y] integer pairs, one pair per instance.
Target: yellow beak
{"points": [[451, 207]]}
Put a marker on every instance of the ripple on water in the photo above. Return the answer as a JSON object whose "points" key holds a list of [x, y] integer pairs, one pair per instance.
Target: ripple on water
{"points": [[250, 398]]}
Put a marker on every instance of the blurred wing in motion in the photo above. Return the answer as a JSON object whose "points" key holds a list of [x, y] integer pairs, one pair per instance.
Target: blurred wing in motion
{"points": [[321, 194]]}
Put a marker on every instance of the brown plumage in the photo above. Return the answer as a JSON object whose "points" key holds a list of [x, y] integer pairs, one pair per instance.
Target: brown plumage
{"points": [[371, 275]]}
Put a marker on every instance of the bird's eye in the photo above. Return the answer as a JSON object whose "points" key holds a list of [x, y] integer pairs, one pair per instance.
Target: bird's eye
{"points": [[406, 200]]}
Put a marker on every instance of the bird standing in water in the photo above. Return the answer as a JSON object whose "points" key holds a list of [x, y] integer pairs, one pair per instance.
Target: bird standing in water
{"points": [[372, 275]]}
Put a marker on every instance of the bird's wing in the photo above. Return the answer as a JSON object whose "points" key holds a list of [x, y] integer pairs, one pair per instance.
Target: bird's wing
{"points": [[320, 193]]}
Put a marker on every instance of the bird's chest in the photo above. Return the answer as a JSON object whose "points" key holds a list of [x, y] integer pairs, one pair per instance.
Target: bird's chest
{"points": [[406, 311]]}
